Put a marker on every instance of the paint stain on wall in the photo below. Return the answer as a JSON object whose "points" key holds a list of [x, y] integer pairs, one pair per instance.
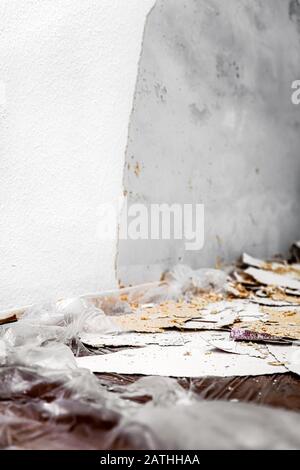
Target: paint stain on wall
{"points": [[199, 116], [161, 92], [294, 12], [137, 169]]}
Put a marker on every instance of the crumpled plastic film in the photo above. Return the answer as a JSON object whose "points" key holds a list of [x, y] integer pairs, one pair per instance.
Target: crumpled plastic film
{"points": [[161, 390], [181, 281], [46, 339], [73, 409], [60, 323], [218, 425], [42, 412], [196, 281], [157, 293], [47, 402]]}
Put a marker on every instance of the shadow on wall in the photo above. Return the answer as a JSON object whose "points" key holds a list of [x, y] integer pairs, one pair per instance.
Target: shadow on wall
{"points": [[213, 123], [294, 12]]}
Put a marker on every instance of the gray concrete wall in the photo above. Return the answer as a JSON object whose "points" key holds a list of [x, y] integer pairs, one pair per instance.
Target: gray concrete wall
{"points": [[67, 78], [213, 123]]}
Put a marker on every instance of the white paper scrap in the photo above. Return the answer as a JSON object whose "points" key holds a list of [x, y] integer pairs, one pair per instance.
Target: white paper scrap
{"points": [[287, 355], [203, 325], [250, 261], [273, 279], [293, 270], [132, 339], [164, 338], [292, 292], [180, 361], [237, 347], [265, 301]]}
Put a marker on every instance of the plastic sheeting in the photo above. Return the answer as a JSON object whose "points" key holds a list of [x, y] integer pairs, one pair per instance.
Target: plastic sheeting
{"points": [[47, 402], [39, 412]]}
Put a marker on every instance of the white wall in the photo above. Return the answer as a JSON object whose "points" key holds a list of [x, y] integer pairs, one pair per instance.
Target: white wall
{"points": [[213, 123], [67, 76]]}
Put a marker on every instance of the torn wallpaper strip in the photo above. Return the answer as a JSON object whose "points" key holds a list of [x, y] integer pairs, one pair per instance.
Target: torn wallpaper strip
{"points": [[166, 338], [235, 347], [289, 356], [273, 279], [180, 361]]}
